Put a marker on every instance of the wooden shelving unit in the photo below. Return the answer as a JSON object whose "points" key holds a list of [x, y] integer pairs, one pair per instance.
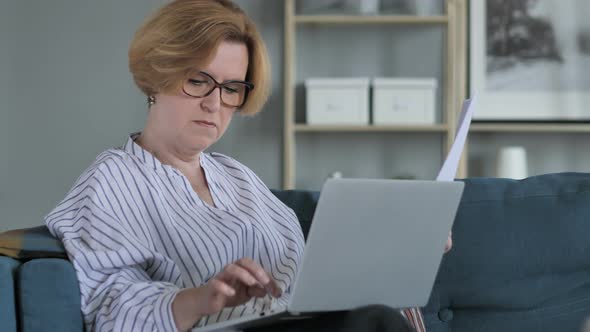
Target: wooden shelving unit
{"points": [[453, 85], [369, 129], [531, 127], [377, 19]]}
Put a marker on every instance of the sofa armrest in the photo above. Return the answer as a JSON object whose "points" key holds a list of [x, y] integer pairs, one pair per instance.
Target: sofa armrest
{"points": [[30, 243], [48, 296], [8, 267]]}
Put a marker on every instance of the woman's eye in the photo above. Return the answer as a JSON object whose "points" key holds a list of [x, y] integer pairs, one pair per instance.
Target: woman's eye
{"points": [[229, 90], [197, 82]]}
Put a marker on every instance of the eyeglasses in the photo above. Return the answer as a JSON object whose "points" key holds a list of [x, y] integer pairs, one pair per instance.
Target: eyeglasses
{"points": [[233, 93]]}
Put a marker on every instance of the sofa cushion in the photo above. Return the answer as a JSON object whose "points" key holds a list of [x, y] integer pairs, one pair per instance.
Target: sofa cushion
{"points": [[520, 260], [48, 296], [8, 268]]}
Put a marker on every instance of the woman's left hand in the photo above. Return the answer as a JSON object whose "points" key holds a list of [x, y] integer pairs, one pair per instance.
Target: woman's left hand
{"points": [[449, 244]]}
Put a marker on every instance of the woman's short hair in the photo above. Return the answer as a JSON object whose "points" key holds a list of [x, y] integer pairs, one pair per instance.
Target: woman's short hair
{"points": [[184, 34]]}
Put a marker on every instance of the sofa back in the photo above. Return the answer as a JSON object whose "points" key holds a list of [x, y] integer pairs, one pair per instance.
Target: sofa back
{"points": [[520, 258]]}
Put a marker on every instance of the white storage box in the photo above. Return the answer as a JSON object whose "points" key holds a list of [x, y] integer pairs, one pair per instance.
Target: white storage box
{"points": [[337, 101], [403, 101]]}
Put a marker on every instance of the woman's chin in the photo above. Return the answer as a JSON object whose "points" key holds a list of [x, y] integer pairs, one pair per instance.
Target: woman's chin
{"points": [[199, 142]]}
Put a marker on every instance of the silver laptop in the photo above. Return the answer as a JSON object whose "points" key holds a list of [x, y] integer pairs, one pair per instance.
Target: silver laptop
{"points": [[371, 242]]}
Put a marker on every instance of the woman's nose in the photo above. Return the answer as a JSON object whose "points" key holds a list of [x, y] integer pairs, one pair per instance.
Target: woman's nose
{"points": [[212, 102]]}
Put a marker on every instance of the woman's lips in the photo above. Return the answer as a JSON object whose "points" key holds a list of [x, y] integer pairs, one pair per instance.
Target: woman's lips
{"points": [[206, 124]]}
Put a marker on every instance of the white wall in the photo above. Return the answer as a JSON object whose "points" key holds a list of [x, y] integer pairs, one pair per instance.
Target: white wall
{"points": [[66, 95], [7, 103]]}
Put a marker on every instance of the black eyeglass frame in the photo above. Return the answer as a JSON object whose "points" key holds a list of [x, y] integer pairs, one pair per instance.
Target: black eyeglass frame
{"points": [[249, 87]]}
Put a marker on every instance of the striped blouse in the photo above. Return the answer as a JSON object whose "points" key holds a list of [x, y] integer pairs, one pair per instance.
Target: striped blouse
{"points": [[137, 233]]}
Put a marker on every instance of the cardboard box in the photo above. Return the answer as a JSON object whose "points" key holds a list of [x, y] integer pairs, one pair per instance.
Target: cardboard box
{"points": [[404, 101], [337, 101]]}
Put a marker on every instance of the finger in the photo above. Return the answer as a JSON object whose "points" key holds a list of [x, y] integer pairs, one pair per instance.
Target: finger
{"points": [[261, 275], [255, 269], [449, 244], [256, 291], [234, 272], [222, 288], [274, 289]]}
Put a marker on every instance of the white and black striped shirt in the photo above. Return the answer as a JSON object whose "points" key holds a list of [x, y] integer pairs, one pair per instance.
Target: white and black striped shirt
{"points": [[137, 233]]}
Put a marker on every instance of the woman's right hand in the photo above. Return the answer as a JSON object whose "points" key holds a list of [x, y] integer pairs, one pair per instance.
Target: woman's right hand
{"points": [[236, 284]]}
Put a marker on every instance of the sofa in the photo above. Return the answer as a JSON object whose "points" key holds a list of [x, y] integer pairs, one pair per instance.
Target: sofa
{"points": [[520, 262]]}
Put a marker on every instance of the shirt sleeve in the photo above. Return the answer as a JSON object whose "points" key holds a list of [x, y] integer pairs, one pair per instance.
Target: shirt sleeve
{"points": [[115, 268]]}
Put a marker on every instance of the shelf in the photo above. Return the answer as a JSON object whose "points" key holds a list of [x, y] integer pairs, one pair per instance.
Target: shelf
{"points": [[451, 21], [531, 127], [376, 19], [371, 128]]}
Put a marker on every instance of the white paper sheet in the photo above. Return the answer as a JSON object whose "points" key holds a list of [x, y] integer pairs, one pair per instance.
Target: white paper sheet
{"points": [[449, 168]]}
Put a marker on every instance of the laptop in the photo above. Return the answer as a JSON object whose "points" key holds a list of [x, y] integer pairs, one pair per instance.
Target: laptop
{"points": [[371, 242]]}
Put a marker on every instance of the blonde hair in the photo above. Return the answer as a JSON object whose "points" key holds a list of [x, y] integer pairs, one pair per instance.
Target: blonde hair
{"points": [[185, 33]]}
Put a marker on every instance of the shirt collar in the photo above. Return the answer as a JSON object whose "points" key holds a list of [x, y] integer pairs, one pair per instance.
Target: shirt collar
{"points": [[134, 149], [143, 155]]}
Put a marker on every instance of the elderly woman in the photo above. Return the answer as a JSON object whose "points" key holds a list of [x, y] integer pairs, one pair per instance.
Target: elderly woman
{"points": [[164, 236]]}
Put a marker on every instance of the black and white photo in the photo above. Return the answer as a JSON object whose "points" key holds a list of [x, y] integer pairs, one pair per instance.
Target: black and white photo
{"points": [[531, 58]]}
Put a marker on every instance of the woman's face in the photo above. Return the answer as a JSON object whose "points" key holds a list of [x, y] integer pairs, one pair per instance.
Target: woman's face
{"points": [[190, 125]]}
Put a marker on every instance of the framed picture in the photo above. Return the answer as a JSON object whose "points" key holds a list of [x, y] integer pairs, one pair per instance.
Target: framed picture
{"points": [[530, 59]]}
